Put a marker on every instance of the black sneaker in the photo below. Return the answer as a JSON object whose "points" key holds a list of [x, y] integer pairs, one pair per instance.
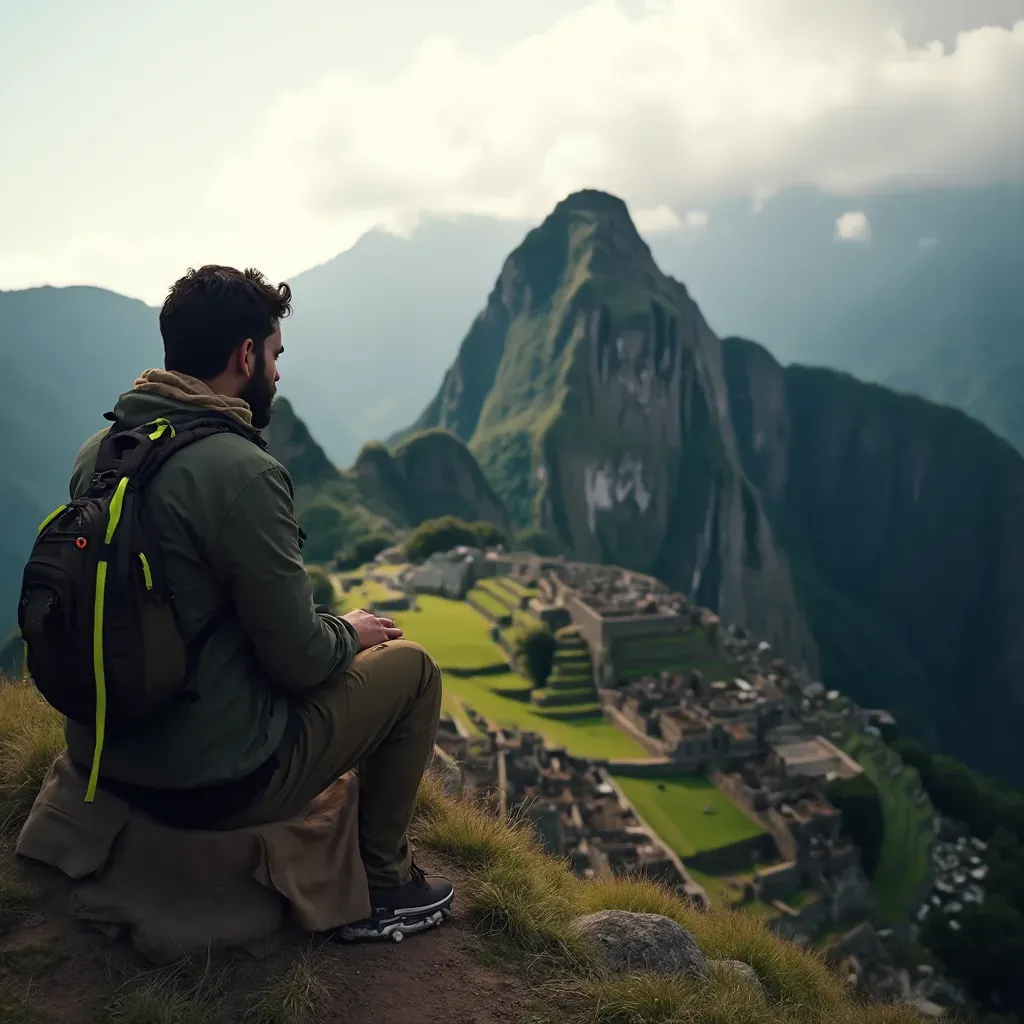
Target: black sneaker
{"points": [[403, 909]]}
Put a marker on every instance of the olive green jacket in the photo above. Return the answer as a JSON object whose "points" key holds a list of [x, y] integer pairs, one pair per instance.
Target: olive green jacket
{"points": [[223, 512]]}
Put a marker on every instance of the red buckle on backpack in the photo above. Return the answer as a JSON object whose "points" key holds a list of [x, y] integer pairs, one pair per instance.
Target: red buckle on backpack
{"points": [[81, 543]]}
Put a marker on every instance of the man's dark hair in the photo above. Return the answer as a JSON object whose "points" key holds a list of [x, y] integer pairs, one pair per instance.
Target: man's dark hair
{"points": [[209, 312]]}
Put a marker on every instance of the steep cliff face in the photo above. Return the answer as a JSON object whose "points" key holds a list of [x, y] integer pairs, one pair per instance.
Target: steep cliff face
{"points": [[902, 520], [290, 442], [431, 475], [591, 391]]}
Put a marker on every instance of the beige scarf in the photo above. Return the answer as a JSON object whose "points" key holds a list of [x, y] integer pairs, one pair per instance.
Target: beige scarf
{"points": [[183, 388]]}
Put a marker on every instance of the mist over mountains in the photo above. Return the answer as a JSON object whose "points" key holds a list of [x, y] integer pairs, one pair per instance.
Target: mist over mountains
{"points": [[926, 303]]}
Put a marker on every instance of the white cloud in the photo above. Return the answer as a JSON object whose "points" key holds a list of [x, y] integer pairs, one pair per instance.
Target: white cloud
{"points": [[853, 226], [654, 219], [672, 104], [681, 104]]}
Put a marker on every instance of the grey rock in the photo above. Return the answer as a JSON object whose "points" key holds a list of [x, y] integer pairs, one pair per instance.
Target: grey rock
{"points": [[737, 967], [630, 942]]}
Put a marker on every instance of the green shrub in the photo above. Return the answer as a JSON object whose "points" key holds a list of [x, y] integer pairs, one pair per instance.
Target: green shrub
{"points": [[858, 801], [448, 532], [363, 550], [536, 540], [536, 649]]}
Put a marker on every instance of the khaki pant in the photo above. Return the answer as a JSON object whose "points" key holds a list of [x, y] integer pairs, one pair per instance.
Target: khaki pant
{"points": [[380, 717]]}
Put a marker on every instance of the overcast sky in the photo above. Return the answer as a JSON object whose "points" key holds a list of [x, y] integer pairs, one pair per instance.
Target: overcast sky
{"points": [[138, 139]]}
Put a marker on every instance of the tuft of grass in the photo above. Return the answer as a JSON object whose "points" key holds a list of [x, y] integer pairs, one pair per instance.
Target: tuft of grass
{"points": [[663, 999], [431, 798], [15, 1008], [297, 996], [176, 995], [787, 971], [31, 737], [512, 890]]}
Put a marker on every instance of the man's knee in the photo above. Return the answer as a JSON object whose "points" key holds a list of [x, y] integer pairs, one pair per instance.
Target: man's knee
{"points": [[411, 662]]}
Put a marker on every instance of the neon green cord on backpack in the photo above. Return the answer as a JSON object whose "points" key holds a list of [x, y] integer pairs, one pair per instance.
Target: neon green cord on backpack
{"points": [[116, 503]]}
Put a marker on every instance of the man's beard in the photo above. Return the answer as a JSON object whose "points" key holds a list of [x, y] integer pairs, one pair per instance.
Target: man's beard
{"points": [[259, 394]]}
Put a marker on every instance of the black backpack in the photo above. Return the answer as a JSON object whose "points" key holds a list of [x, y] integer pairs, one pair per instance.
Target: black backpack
{"points": [[102, 641]]}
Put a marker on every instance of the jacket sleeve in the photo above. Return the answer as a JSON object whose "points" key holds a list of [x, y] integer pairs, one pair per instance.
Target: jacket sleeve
{"points": [[257, 557]]}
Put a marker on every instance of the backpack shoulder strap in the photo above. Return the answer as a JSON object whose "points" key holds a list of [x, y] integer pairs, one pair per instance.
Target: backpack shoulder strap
{"points": [[137, 453], [129, 458]]}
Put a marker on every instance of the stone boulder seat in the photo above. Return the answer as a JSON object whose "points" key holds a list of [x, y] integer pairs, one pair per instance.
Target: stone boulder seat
{"points": [[174, 892]]}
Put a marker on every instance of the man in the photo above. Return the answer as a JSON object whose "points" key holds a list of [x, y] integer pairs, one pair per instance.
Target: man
{"points": [[288, 696]]}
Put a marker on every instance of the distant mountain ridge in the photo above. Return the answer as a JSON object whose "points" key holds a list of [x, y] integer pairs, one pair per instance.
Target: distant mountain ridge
{"points": [[821, 512], [929, 305], [384, 492]]}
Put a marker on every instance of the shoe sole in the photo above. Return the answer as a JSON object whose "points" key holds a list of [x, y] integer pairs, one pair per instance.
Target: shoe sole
{"points": [[396, 926]]}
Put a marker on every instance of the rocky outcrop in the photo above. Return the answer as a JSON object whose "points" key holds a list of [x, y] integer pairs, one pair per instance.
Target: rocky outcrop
{"points": [[432, 474], [736, 969], [591, 391], [628, 942]]}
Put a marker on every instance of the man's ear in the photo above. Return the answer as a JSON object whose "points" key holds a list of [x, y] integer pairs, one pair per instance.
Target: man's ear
{"points": [[247, 358]]}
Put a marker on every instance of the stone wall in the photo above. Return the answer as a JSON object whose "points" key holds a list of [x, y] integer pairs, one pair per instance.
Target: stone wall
{"points": [[804, 922], [502, 621], [649, 743], [653, 768], [779, 881], [776, 824], [734, 857], [399, 603]]}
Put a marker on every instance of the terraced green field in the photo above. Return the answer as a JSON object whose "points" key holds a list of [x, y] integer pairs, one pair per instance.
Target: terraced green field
{"points": [[365, 594], [502, 592], [489, 603], [513, 586], [906, 843], [674, 808], [391, 570], [456, 635], [587, 735], [639, 656]]}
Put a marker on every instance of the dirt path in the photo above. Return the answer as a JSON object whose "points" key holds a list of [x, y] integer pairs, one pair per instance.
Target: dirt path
{"points": [[54, 972]]}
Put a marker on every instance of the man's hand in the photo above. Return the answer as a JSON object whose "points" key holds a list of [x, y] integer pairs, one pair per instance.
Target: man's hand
{"points": [[370, 629]]}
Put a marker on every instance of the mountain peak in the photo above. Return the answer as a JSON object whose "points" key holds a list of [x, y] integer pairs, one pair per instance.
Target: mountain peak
{"points": [[592, 200], [606, 217], [589, 234]]}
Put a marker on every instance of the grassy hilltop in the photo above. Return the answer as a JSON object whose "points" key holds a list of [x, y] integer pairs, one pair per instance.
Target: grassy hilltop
{"points": [[517, 902]]}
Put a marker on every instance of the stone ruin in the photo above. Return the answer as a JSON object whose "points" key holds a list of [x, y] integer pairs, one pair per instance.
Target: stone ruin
{"points": [[573, 804]]}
